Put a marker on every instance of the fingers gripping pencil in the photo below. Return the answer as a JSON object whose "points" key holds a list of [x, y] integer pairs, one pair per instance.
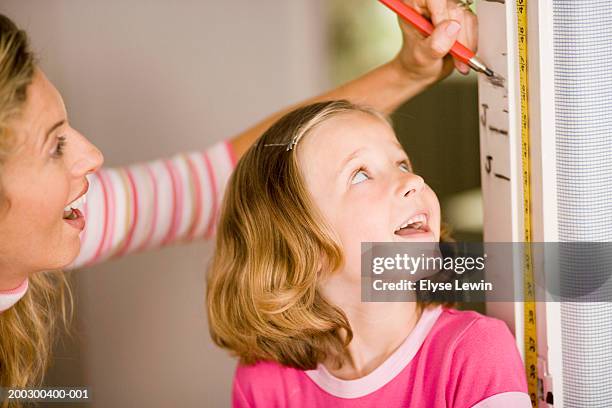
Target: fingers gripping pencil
{"points": [[459, 51]]}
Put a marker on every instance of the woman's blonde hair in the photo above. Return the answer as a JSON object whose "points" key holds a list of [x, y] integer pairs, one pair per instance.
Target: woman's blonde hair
{"points": [[273, 248], [27, 330]]}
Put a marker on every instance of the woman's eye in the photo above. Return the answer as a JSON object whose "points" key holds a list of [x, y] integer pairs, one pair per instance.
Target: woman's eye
{"points": [[58, 150], [405, 167], [359, 177]]}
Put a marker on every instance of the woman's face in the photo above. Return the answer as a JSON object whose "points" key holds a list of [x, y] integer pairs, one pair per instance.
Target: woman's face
{"points": [[43, 174], [362, 181]]}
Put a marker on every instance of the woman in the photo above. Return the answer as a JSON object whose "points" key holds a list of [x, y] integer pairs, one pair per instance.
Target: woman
{"points": [[44, 164]]}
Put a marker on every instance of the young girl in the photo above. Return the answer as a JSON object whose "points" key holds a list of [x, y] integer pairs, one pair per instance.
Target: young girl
{"points": [[284, 290]]}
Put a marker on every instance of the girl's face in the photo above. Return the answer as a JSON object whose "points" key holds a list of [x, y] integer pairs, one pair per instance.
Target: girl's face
{"points": [[362, 181], [43, 174]]}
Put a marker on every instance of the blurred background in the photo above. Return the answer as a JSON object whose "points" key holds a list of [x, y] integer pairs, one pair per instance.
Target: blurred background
{"points": [[144, 79]]}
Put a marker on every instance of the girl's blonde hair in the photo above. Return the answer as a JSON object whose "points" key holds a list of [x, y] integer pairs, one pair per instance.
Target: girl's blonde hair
{"points": [[273, 248], [27, 329]]}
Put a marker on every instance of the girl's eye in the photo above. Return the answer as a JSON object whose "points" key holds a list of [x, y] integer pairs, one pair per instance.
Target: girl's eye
{"points": [[405, 167], [359, 177], [58, 151]]}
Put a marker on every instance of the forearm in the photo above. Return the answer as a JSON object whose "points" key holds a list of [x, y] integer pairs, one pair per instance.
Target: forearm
{"points": [[384, 88], [154, 204]]}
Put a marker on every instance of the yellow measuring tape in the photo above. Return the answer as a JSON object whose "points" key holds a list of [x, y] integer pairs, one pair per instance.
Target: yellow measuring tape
{"points": [[530, 339]]}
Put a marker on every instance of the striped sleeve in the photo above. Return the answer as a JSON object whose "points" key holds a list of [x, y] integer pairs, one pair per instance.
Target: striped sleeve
{"points": [[153, 204]]}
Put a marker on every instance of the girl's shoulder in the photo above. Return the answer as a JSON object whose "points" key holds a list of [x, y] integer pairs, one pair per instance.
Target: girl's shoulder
{"points": [[468, 327], [264, 381], [263, 369], [448, 335], [466, 335], [479, 353]]}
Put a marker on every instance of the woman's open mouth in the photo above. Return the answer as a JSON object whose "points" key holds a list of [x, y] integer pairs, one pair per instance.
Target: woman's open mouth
{"points": [[73, 216]]}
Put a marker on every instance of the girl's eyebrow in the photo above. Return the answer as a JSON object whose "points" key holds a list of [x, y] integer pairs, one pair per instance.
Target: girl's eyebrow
{"points": [[356, 152], [348, 159], [400, 148]]}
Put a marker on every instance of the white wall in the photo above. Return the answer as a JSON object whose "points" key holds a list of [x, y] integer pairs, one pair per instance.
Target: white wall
{"points": [[144, 79]]}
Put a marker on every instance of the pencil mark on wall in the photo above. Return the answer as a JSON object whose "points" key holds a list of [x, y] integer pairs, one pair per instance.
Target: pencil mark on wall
{"points": [[496, 1], [501, 176], [488, 164], [497, 130], [483, 116], [497, 81], [488, 168]]}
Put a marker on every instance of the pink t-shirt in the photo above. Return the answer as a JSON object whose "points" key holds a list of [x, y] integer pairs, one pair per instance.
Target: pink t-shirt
{"points": [[451, 359]]}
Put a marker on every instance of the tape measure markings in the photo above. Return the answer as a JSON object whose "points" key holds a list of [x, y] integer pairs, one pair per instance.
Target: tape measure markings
{"points": [[530, 339]]}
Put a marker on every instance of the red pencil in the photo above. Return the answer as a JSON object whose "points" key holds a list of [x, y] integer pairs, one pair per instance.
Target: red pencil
{"points": [[459, 51]]}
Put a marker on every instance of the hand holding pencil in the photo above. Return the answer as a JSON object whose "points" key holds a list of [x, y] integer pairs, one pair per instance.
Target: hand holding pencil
{"points": [[426, 56]]}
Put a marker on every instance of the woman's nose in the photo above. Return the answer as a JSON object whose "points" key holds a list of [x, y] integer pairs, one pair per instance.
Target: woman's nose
{"points": [[411, 184], [89, 161]]}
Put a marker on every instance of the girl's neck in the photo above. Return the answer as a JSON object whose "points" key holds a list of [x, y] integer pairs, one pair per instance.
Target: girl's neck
{"points": [[379, 328]]}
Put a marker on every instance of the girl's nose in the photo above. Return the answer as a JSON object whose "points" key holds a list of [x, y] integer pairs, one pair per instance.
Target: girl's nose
{"points": [[411, 184]]}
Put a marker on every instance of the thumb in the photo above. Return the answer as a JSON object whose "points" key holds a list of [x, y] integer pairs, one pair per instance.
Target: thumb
{"points": [[441, 40]]}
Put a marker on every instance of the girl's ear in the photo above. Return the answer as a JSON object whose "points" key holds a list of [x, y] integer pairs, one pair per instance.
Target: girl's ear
{"points": [[320, 263], [323, 266]]}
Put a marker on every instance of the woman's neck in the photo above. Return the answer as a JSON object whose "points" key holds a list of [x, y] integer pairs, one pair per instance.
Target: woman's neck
{"points": [[10, 277], [379, 328]]}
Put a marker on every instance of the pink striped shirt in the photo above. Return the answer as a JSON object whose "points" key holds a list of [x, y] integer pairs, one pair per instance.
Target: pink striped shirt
{"points": [[149, 205], [452, 358]]}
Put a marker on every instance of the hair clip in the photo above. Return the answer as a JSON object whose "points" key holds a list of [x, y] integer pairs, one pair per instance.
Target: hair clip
{"points": [[275, 144], [295, 140], [289, 145]]}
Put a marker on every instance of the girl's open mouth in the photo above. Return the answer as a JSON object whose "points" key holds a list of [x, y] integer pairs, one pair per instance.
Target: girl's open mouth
{"points": [[417, 224]]}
